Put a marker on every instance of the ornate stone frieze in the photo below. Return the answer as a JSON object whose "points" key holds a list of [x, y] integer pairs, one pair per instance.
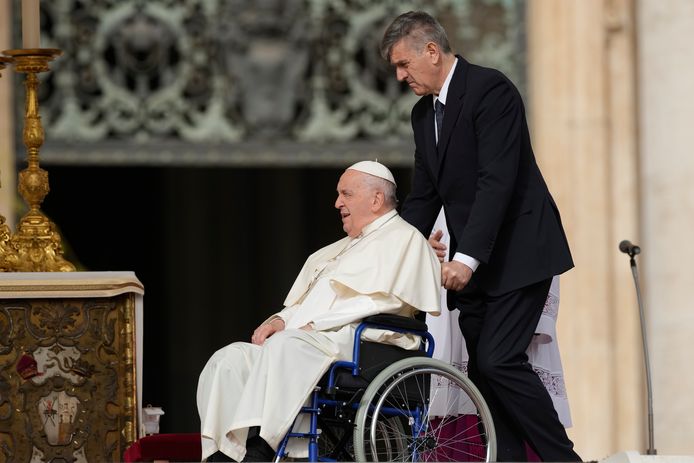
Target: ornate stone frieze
{"points": [[245, 81]]}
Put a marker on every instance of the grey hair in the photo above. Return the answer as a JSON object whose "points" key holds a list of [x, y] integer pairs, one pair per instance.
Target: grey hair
{"points": [[390, 198], [420, 27]]}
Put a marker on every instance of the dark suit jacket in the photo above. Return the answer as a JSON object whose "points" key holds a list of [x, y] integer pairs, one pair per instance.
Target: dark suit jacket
{"points": [[497, 205]]}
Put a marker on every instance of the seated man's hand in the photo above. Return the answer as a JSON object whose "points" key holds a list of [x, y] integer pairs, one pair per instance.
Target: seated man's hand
{"points": [[266, 330], [455, 275], [439, 247], [307, 327]]}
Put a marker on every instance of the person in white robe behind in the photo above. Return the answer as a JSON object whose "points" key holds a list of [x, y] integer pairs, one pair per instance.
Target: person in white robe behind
{"points": [[384, 265], [543, 352]]}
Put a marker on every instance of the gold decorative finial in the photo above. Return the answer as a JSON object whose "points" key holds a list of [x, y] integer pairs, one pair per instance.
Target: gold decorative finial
{"points": [[36, 242]]}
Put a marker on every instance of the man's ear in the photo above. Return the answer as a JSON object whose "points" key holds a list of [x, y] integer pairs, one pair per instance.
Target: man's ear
{"points": [[433, 52], [378, 201]]}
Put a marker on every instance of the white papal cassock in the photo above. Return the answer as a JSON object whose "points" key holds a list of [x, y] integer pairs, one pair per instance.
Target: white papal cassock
{"points": [[389, 268]]}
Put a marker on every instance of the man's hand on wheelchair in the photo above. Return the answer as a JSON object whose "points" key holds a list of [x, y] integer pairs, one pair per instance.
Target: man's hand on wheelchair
{"points": [[437, 245], [266, 330], [455, 275]]}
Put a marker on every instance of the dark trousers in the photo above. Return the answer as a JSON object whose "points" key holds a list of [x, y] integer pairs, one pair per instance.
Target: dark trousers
{"points": [[497, 331]]}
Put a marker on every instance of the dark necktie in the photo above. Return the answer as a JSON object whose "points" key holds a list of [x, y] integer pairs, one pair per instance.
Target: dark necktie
{"points": [[438, 110]]}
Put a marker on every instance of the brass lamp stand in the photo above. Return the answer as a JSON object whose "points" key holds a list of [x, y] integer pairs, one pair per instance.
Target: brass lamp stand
{"points": [[36, 244]]}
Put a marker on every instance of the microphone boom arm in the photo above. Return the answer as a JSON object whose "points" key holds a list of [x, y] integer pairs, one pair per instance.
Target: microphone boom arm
{"points": [[628, 248]]}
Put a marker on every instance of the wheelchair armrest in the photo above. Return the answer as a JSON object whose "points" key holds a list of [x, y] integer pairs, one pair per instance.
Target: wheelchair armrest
{"points": [[397, 321], [389, 322]]}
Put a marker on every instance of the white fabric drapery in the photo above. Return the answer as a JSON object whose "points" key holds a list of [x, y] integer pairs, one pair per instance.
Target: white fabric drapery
{"points": [[543, 352]]}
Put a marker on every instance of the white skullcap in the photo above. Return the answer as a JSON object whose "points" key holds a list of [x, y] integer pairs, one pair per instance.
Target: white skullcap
{"points": [[374, 168]]}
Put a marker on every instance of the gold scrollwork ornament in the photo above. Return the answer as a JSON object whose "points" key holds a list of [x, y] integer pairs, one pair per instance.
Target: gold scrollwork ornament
{"points": [[8, 255]]}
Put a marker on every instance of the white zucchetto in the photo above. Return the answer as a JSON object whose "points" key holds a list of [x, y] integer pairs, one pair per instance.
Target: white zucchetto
{"points": [[374, 168]]}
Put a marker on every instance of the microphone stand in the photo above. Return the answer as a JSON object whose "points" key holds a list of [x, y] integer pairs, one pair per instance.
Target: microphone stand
{"points": [[632, 261]]}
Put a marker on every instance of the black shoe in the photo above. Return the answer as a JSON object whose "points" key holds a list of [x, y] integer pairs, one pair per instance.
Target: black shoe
{"points": [[258, 450], [219, 456]]}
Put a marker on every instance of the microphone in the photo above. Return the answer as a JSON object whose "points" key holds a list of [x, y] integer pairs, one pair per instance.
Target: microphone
{"points": [[627, 248]]}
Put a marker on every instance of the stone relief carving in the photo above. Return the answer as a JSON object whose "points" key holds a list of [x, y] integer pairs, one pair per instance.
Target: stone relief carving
{"points": [[244, 81]]}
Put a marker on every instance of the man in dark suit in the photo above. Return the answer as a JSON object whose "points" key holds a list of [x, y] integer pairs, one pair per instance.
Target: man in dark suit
{"points": [[473, 157]]}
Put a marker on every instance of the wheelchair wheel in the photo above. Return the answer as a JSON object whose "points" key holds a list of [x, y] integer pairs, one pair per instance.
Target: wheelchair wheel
{"points": [[395, 422]]}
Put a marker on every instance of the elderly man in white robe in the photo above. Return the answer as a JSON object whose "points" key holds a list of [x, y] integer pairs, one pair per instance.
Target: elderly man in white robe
{"points": [[383, 265]]}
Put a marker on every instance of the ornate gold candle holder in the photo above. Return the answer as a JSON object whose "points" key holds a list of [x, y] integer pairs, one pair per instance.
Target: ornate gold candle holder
{"points": [[36, 242]]}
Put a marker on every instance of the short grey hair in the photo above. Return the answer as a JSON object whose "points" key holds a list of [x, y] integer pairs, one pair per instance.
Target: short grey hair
{"points": [[420, 27], [390, 198]]}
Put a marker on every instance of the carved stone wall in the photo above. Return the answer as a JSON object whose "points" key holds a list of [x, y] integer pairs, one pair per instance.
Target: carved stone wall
{"points": [[667, 191], [244, 81], [583, 83]]}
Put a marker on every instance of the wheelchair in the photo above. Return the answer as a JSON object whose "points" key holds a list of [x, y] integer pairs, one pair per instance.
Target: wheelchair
{"points": [[392, 404]]}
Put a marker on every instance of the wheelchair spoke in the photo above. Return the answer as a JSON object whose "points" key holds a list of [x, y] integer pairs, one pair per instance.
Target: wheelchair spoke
{"points": [[396, 420]]}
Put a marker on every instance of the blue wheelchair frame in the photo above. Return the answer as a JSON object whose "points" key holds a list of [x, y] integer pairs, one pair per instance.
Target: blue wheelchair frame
{"points": [[317, 403]]}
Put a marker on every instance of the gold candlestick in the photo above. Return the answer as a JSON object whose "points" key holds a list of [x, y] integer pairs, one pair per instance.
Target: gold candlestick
{"points": [[36, 241]]}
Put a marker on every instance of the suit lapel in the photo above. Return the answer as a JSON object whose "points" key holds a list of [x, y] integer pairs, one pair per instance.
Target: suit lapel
{"points": [[454, 104]]}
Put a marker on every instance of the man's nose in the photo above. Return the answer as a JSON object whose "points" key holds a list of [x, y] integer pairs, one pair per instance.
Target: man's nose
{"points": [[338, 203], [400, 74]]}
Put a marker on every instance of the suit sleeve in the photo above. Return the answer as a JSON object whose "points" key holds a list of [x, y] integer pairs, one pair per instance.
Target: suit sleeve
{"points": [[423, 203], [498, 122]]}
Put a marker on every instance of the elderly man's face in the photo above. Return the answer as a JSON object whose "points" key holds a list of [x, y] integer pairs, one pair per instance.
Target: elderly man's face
{"points": [[416, 67], [355, 200]]}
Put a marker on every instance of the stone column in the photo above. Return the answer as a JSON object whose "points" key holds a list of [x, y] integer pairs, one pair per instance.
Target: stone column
{"points": [[583, 124], [8, 174], [666, 128]]}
